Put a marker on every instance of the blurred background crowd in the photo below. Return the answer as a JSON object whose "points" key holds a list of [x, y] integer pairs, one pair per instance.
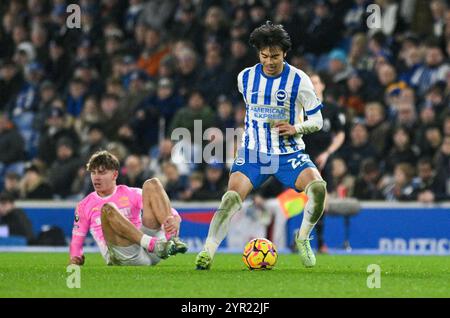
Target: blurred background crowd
{"points": [[137, 69]]}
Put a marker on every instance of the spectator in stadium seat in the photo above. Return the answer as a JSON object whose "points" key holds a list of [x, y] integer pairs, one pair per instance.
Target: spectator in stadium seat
{"points": [[342, 183], [75, 97], [427, 117], [64, 169], [386, 75], [286, 14], [114, 43], [24, 54], [135, 92], [157, 13], [442, 161], [57, 69], [407, 117], [216, 180], [432, 141], [187, 75], [224, 117], [133, 173], [14, 218], [12, 184], [7, 49], [34, 186], [39, 39], [47, 93], [438, 9], [128, 138], [378, 126], [446, 126], [165, 152], [90, 29], [116, 87], [90, 115], [23, 108], [402, 150], [354, 19], [354, 95], [367, 184], [357, 149], [186, 25], [358, 55], [87, 72], [10, 82], [167, 67], [85, 53], [161, 106], [410, 58], [322, 33], [197, 109], [392, 99], [153, 52], [96, 141], [132, 15], [338, 67], [435, 68], [429, 187], [195, 190], [400, 188], [241, 57], [12, 146], [174, 183], [435, 99], [112, 116], [55, 129], [258, 13], [213, 79], [215, 25]]}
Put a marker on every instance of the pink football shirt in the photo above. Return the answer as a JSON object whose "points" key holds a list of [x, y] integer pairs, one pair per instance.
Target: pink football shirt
{"points": [[88, 216]]}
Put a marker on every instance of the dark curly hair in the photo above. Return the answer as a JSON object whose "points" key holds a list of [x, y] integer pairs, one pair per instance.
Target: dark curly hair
{"points": [[103, 160], [270, 35]]}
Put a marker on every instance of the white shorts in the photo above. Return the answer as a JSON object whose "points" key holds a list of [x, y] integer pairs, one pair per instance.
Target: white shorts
{"points": [[133, 255]]}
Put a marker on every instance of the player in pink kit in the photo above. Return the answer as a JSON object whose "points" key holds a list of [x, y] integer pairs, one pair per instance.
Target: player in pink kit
{"points": [[112, 213]]}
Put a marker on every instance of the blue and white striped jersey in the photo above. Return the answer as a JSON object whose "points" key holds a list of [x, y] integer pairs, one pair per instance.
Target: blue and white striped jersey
{"points": [[270, 100]]}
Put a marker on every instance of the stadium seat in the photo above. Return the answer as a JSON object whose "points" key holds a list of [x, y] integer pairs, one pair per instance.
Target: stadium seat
{"points": [[346, 207]]}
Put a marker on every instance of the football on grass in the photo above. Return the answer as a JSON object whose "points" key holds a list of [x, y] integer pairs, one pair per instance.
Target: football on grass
{"points": [[260, 253]]}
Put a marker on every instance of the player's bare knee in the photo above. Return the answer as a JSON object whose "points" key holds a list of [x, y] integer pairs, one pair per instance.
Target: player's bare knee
{"points": [[152, 185], [231, 202], [107, 211], [316, 190]]}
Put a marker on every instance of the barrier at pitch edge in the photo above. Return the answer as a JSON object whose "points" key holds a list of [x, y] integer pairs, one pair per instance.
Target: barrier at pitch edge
{"points": [[379, 227]]}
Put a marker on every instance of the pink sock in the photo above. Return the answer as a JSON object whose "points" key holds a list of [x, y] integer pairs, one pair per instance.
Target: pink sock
{"points": [[169, 235], [151, 244]]}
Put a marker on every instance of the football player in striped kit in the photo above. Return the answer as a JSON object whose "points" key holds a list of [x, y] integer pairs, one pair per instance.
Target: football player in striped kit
{"points": [[277, 97]]}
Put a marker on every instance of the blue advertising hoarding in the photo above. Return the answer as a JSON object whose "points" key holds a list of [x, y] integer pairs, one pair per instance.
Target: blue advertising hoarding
{"points": [[387, 228]]}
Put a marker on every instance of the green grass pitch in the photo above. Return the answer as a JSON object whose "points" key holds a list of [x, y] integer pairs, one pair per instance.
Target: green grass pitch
{"points": [[44, 275]]}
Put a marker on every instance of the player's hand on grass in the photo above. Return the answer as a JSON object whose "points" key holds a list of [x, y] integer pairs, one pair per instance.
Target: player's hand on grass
{"points": [[77, 260], [285, 129]]}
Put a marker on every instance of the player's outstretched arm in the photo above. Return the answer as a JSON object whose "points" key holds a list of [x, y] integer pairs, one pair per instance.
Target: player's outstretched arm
{"points": [[76, 250], [79, 232], [312, 124]]}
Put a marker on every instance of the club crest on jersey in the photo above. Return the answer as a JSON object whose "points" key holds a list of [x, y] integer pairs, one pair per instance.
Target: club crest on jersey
{"points": [[240, 161], [281, 95]]}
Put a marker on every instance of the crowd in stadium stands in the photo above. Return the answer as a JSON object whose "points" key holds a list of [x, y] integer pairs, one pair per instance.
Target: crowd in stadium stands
{"points": [[138, 69]]}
